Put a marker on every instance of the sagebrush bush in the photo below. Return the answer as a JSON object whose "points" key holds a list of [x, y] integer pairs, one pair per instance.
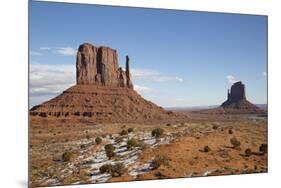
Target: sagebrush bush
{"points": [[235, 142], [215, 126], [158, 132], [106, 168], [109, 150], [230, 131], [132, 143], [248, 152], [158, 161], [263, 148], [130, 130], [68, 156], [115, 170], [123, 132], [206, 149], [98, 140]]}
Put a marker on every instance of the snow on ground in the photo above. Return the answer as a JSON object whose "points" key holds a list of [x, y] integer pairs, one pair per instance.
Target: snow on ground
{"points": [[92, 161]]}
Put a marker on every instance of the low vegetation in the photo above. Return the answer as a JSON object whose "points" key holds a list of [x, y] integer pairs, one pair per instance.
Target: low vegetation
{"points": [[215, 126], [248, 152], [123, 132], [158, 132], [263, 148], [114, 170], [68, 156], [109, 150], [132, 143], [158, 161], [235, 142], [130, 130], [98, 140], [206, 149]]}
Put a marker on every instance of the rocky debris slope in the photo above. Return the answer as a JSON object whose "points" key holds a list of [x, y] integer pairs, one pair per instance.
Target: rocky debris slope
{"points": [[104, 92]]}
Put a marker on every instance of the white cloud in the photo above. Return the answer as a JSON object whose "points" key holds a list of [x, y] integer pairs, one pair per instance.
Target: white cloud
{"points": [[34, 53], [231, 79], [152, 75], [48, 80], [65, 51], [45, 48], [143, 89], [264, 73]]}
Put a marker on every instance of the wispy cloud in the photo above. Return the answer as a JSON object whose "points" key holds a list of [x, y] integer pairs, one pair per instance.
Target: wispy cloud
{"points": [[44, 48], [65, 51], [34, 53], [152, 75], [231, 79], [48, 80]]}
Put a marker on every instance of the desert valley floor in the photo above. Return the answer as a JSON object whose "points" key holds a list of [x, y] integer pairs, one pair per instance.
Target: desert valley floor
{"points": [[67, 151]]}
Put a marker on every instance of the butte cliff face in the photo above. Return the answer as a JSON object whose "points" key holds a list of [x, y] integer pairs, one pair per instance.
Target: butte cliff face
{"points": [[99, 66], [103, 92]]}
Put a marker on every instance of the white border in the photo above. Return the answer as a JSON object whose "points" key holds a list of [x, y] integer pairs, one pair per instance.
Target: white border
{"points": [[14, 87]]}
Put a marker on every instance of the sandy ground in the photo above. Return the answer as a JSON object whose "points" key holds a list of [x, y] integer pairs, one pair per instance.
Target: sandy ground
{"points": [[182, 145]]}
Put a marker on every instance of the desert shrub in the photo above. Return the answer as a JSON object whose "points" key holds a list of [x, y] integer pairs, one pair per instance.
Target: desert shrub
{"points": [[82, 146], [206, 149], [106, 168], [158, 161], [168, 124], [115, 170], [215, 126], [98, 140], [88, 137], [263, 148], [230, 131], [235, 142], [130, 130], [123, 132], [109, 150], [158, 132], [132, 143], [68, 156], [248, 152]]}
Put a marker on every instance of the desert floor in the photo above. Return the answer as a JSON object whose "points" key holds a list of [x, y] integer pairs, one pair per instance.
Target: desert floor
{"points": [[197, 146]]}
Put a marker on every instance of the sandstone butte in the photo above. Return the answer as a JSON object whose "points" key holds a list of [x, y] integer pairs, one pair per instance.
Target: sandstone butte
{"points": [[103, 92], [236, 103]]}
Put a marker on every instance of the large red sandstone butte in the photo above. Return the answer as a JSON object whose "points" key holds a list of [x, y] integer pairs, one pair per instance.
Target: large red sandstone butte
{"points": [[103, 92]]}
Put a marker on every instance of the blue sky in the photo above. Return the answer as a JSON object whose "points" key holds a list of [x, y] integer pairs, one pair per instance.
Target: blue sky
{"points": [[178, 58]]}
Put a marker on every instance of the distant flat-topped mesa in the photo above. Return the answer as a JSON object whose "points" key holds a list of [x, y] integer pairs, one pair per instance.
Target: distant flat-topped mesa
{"points": [[99, 66]]}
